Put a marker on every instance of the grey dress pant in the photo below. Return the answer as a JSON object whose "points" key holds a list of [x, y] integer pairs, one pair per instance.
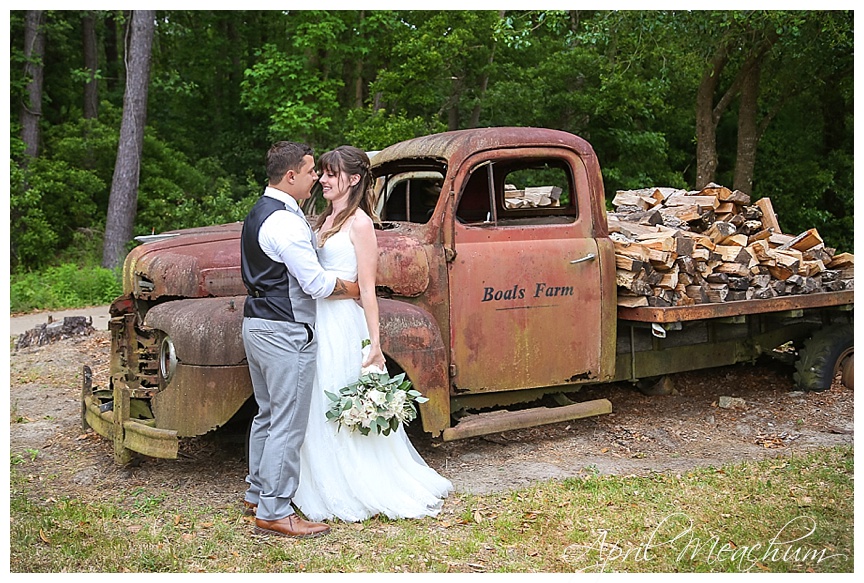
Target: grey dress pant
{"points": [[281, 358]]}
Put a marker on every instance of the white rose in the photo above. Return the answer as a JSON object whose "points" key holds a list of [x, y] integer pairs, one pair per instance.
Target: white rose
{"points": [[398, 399], [377, 397], [351, 417]]}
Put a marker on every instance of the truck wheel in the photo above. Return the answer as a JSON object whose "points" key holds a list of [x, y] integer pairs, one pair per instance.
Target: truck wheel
{"points": [[848, 372], [822, 355]]}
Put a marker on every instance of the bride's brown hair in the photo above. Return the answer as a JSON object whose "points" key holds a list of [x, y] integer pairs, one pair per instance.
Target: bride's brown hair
{"points": [[352, 161]]}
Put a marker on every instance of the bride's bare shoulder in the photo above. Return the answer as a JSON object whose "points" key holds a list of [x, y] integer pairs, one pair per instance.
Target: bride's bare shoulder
{"points": [[362, 220]]}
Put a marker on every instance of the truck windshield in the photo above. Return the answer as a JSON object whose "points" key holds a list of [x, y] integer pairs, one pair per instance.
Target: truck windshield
{"points": [[410, 196]]}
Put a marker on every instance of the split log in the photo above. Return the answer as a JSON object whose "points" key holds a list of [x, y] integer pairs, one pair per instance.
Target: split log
{"points": [[720, 231], [804, 241], [841, 260], [769, 219]]}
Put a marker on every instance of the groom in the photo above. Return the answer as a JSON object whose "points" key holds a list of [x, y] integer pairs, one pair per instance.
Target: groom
{"points": [[283, 278]]}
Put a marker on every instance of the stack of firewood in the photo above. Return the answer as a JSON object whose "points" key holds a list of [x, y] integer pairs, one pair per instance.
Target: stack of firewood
{"points": [[676, 247], [531, 196]]}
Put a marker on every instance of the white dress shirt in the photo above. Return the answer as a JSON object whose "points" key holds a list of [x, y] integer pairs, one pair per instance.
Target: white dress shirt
{"points": [[285, 237]]}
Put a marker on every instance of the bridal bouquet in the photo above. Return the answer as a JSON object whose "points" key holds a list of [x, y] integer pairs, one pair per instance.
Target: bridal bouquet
{"points": [[376, 401]]}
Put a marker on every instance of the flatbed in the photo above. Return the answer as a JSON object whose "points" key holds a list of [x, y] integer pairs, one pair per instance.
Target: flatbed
{"points": [[663, 315]]}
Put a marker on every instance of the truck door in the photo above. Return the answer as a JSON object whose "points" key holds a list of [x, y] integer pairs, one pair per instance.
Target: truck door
{"points": [[525, 286]]}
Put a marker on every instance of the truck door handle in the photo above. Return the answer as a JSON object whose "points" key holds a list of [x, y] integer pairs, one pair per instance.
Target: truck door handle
{"points": [[589, 257]]}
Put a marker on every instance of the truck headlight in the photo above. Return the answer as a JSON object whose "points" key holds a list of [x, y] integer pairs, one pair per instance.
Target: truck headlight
{"points": [[167, 358]]}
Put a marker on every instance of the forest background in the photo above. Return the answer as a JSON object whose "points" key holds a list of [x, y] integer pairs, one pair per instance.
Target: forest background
{"points": [[761, 101]]}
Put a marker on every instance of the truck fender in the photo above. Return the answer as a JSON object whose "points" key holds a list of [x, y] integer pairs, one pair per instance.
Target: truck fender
{"points": [[204, 331], [410, 336]]}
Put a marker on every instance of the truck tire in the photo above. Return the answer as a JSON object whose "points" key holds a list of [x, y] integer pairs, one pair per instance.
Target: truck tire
{"points": [[822, 355]]}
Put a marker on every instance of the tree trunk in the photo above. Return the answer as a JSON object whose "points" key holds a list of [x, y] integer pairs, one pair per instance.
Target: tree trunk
{"points": [[31, 105], [706, 124], [91, 64], [112, 59], [484, 83], [453, 104], [123, 201], [358, 84], [748, 132], [750, 129], [358, 72]]}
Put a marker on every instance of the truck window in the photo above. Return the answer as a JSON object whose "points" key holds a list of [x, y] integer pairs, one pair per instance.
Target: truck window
{"points": [[518, 192], [409, 196]]}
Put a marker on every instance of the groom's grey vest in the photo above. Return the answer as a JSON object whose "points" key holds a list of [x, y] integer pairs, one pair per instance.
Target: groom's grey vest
{"points": [[274, 294]]}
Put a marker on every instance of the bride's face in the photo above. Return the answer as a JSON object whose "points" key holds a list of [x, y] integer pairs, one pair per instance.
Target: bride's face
{"points": [[336, 185]]}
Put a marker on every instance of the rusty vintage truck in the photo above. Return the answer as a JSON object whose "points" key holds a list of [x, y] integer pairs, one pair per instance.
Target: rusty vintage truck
{"points": [[493, 312]]}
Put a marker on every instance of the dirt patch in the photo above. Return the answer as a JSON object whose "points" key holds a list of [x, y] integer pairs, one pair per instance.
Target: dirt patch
{"points": [[644, 434]]}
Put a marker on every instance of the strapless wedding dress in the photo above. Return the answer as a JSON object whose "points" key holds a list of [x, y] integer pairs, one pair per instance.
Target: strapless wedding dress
{"points": [[345, 474]]}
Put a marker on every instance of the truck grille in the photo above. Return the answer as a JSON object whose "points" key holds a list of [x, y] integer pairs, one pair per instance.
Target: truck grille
{"points": [[135, 356]]}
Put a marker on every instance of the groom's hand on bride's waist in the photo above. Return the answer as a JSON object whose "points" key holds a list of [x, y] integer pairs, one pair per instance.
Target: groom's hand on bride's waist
{"points": [[345, 290]]}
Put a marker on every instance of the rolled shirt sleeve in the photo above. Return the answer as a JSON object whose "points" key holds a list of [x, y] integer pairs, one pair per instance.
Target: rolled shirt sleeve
{"points": [[285, 237]]}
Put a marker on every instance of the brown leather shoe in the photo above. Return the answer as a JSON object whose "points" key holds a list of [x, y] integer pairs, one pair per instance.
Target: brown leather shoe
{"points": [[249, 509], [292, 525]]}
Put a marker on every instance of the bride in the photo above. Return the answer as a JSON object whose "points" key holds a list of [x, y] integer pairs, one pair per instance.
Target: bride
{"points": [[344, 474]]}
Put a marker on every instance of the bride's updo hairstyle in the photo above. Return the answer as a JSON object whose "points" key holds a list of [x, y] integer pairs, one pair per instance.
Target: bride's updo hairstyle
{"points": [[349, 160]]}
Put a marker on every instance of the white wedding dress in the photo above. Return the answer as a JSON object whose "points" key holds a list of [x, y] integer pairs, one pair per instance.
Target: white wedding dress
{"points": [[345, 474]]}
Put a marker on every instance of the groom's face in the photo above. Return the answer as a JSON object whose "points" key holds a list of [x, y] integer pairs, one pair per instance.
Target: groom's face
{"points": [[304, 179]]}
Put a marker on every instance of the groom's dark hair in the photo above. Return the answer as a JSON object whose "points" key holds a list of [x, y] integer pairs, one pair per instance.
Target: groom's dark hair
{"points": [[284, 156]]}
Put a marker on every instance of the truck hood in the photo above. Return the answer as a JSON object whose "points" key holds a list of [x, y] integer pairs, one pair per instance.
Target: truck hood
{"points": [[205, 262]]}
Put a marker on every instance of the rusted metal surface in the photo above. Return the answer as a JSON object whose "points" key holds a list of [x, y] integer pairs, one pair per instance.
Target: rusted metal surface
{"points": [[528, 302], [402, 265], [194, 250], [488, 315], [196, 266], [150, 441], [530, 320], [608, 332], [455, 146], [721, 310], [201, 398], [205, 331], [497, 421], [410, 336], [101, 422]]}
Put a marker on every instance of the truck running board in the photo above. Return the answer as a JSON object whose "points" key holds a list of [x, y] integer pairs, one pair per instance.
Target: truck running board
{"points": [[496, 421]]}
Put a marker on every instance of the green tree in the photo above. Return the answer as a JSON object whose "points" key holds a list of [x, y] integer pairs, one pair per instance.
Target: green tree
{"points": [[440, 65], [224, 84]]}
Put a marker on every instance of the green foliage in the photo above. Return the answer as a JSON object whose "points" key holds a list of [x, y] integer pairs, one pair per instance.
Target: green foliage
{"points": [[176, 194], [298, 101], [375, 130], [64, 286], [225, 84], [48, 201], [437, 64], [809, 187], [637, 159]]}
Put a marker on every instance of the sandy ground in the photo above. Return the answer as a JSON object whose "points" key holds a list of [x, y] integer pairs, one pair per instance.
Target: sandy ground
{"points": [[642, 435]]}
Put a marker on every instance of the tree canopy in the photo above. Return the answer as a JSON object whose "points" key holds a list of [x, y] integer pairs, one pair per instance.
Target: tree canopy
{"points": [[760, 99]]}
